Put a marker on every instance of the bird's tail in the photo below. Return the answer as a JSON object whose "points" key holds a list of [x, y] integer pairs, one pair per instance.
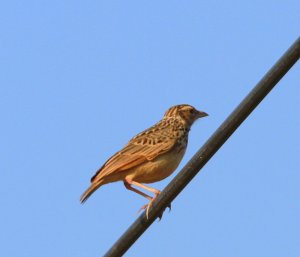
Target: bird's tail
{"points": [[93, 187]]}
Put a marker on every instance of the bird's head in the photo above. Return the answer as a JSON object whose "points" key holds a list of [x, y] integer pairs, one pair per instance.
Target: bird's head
{"points": [[187, 113]]}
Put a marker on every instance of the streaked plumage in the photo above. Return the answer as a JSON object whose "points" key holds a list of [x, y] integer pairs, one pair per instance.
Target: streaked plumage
{"points": [[151, 155]]}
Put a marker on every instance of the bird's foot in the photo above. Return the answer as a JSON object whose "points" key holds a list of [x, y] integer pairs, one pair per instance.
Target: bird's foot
{"points": [[161, 214], [148, 206], [169, 206]]}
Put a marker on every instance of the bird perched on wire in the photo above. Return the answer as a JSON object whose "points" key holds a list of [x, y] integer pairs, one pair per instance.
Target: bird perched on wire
{"points": [[150, 156]]}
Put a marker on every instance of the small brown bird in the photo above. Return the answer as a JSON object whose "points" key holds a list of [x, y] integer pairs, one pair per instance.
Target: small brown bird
{"points": [[150, 156]]}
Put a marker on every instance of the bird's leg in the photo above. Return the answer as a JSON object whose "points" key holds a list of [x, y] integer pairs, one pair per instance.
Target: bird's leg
{"points": [[128, 184], [129, 187], [153, 190]]}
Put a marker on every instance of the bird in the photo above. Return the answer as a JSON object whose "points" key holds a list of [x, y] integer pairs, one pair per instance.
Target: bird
{"points": [[150, 156]]}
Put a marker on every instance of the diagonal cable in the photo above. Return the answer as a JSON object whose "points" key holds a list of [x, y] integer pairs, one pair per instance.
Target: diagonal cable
{"points": [[212, 145]]}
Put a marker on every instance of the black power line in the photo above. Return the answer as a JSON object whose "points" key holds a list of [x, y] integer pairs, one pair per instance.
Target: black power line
{"points": [[212, 145]]}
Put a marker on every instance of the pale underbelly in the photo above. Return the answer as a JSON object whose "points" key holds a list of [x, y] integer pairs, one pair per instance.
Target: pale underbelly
{"points": [[158, 169]]}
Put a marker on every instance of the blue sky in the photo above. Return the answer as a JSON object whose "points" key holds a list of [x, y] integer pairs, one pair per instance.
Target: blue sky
{"points": [[80, 78]]}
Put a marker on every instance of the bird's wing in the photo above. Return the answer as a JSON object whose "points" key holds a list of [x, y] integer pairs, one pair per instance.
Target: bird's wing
{"points": [[142, 148]]}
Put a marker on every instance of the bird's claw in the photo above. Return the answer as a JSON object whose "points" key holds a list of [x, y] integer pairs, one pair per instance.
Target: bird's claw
{"points": [[169, 206], [146, 207]]}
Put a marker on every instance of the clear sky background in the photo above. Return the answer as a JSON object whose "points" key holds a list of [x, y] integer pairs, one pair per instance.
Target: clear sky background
{"points": [[80, 78]]}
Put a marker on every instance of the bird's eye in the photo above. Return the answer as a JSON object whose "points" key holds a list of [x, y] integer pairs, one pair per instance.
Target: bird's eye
{"points": [[191, 111]]}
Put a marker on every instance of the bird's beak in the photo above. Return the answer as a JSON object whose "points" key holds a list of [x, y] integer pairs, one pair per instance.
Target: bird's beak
{"points": [[201, 114]]}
